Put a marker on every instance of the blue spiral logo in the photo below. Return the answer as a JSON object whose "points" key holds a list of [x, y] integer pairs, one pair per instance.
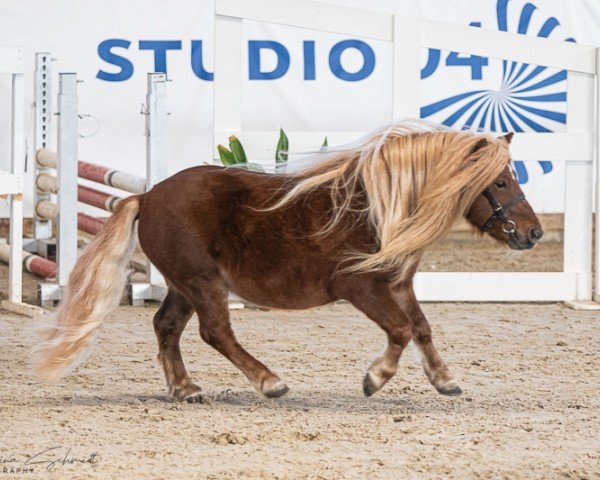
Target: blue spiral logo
{"points": [[529, 98]]}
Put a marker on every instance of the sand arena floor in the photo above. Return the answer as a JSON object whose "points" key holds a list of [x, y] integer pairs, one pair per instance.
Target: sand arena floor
{"points": [[530, 407]]}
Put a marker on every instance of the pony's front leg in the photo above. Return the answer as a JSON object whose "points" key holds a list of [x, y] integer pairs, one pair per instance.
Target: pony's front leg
{"points": [[435, 368], [376, 301]]}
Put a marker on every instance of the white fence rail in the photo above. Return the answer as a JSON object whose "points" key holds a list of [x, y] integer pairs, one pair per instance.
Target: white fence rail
{"points": [[577, 147]]}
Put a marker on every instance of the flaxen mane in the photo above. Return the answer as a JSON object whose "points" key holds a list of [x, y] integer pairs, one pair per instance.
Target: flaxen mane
{"points": [[418, 179]]}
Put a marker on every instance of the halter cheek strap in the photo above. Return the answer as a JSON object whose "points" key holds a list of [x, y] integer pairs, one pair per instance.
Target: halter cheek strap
{"points": [[500, 213]]}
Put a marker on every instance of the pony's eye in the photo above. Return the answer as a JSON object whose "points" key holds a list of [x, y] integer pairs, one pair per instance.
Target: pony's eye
{"points": [[500, 184]]}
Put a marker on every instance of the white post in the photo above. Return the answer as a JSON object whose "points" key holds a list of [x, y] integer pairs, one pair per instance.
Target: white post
{"points": [[67, 176], [156, 145], [156, 171], [17, 143], [597, 182], [42, 228], [577, 226], [578, 190], [11, 61]]}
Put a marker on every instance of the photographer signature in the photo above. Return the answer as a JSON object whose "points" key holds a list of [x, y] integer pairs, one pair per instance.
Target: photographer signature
{"points": [[50, 458]]}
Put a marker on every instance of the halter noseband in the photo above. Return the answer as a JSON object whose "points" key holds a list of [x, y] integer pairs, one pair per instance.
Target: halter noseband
{"points": [[500, 213]]}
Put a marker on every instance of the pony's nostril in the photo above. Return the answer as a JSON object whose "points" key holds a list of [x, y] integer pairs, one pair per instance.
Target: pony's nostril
{"points": [[535, 234]]}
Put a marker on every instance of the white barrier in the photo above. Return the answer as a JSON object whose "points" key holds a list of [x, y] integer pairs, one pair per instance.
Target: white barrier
{"points": [[597, 182], [577, 148], [11, 184], [69, 169]]}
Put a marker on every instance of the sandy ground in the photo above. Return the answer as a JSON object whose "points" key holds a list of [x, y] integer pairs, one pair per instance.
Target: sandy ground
{"points": [[530, 408]]}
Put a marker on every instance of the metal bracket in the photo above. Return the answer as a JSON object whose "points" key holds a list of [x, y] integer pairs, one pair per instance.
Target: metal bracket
{"points": [[42, 228]]}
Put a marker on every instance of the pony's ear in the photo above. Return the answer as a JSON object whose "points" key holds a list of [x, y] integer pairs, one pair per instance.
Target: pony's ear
{"points": [[508, 137], [481, 143]]}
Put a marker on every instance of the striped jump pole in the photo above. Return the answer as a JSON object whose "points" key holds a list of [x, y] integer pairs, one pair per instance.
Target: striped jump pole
{"points": [[96, 173], [39, 266], [98, 199], [89, 196], [86, 223]]}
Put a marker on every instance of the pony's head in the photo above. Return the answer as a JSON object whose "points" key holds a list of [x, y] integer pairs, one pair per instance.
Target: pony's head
{"points": [[502, 211], [417, 179]]}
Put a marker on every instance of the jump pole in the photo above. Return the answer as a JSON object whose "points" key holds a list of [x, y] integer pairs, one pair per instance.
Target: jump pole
{"points": [[38, 266], [96, 173], [85, 223], [87, 195]]}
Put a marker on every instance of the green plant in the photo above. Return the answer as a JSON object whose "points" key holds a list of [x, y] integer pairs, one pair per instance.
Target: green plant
{"points": [[281, 153], [227, 157], [235, 156], [237, 150]]}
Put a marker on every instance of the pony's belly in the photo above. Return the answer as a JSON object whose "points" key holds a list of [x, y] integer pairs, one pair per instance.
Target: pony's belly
{"points": [[275, 294], [283, 303]]}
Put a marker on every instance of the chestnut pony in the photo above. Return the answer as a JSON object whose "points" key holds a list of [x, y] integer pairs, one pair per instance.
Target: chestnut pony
{"points": [[352, 226]]}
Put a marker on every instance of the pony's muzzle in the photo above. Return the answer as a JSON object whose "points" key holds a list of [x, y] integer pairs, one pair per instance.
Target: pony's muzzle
{"points": [[517, 241], [535, 234]]}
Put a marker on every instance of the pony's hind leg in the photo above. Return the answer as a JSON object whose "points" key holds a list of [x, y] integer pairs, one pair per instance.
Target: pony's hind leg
{"points": [[378, 304], [169, 323], [210, 301], [434, 366]]}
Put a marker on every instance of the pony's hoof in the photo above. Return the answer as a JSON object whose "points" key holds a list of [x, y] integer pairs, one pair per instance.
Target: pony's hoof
{"points": [[277, 393], [369, 386], [451, 390], [278, 390], [195, 398], [188, 393]]}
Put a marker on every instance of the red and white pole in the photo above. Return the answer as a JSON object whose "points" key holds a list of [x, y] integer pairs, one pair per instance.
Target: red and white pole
{"points": [[39, 266], [96, 173]]}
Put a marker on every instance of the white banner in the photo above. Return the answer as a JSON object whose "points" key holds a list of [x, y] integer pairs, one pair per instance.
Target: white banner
{"points": [[295, 78], [112, 45], [332, 91]]}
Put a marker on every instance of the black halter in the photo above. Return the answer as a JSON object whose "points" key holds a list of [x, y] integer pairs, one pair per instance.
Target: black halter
{"points": [[500, 213]]}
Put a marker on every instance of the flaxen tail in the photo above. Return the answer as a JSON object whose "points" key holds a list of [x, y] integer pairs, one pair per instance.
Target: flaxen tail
{"points": [[94, 289]]}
